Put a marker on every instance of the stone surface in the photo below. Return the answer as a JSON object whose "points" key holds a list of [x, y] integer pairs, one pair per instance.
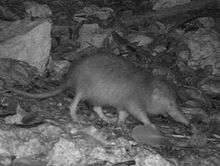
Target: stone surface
{"points": [[87, 145], [204, 46], [27, 41], [93, 11], [161, 4], [35, 9], [91, 35]]}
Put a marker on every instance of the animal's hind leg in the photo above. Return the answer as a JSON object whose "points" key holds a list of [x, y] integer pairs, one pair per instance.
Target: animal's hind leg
{"points": [[178, 116], [139, 114], [73, 106]]}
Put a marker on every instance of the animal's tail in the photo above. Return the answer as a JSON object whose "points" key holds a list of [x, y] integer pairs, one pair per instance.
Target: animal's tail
{"points": [[39, 95]]}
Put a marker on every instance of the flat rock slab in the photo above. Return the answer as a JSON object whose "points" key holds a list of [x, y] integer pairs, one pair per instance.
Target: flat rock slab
{"points": [[26, 40]]}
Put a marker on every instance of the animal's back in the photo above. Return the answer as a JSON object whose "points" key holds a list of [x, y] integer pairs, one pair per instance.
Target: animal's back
{"points": [[107, 79]]}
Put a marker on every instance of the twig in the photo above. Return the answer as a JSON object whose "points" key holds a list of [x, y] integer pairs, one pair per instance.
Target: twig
{"points": [[125, 163]]}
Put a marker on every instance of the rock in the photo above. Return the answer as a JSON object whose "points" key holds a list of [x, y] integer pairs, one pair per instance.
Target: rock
{"points": [[65, 153], [93, 11], [161, 4], [207, 22], [12, 143], [83, 147], [87, 150], [27, 41], [196, 112], [204, 46], [58, 68], [211, 86], [21, 142], [16, 72], [147, 135], [5, 159], [142, 40], [29, 148], [28, 161], [35, 9], [91, 35], [146, 158], [195, 94], [7, 14]]}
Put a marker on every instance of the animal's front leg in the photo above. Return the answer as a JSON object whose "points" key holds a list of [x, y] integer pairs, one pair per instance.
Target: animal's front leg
{"points": [[135, 110], [122, 117], [178, 116], [100, 113]]}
